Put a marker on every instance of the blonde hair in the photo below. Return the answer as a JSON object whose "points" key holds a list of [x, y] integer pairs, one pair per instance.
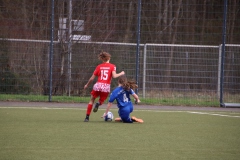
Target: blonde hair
{"points": [[104, 56], [127, 84]]}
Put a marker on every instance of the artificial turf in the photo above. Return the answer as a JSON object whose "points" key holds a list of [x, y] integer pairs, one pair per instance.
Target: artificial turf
{"points": [[60, 134]]}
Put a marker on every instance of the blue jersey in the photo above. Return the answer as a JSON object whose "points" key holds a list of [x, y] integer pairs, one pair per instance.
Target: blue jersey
{"points": [[122, 97]]}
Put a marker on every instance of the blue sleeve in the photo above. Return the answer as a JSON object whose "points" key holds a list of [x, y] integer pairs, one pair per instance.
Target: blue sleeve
{"points": [[132, 92], [113, 96]]}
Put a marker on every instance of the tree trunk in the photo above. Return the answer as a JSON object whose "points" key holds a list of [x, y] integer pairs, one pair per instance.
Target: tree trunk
{"points": [[203, 21], [170, 19], [129, 23], [25, 14], [158, 26], [192, 21], [231, 24], [168, 68], [165, 18]]}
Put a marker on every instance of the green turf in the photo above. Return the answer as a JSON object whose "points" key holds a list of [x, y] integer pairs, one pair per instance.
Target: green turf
{"points": [[61, 134], [179, 101]]}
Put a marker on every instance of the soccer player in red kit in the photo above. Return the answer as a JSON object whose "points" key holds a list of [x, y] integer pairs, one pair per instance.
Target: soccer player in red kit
{"points": [[101, 88]]}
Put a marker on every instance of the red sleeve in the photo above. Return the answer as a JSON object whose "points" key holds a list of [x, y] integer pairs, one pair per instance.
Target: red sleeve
{"points": [[114, 68], [96, 71]]}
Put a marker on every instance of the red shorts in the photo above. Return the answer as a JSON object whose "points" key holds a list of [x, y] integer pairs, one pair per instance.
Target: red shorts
{"points": [[103, 95]]}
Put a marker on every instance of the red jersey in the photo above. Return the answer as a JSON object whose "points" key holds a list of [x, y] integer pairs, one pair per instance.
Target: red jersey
{"points": [[104, 74]]}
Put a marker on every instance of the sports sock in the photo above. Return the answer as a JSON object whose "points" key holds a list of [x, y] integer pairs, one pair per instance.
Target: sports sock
{"points": [[89, 109]]}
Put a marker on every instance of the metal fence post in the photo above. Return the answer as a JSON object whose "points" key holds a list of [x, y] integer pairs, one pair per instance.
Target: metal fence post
{"points": [[223, 51], [51, 53], [69, 46], [219, 71], [144, 70], [138, 40]]}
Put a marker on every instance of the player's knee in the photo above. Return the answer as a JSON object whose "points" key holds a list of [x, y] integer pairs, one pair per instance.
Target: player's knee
{"points": [[126, 119]]}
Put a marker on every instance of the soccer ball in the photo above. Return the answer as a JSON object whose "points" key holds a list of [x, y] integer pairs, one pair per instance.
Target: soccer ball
{"points": [[109, 117]]}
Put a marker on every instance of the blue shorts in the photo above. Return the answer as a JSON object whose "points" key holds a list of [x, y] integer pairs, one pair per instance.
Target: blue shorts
{"points": [[124, 113]]}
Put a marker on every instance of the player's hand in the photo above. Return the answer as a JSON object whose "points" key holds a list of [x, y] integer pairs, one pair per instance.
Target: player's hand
{"points": [[137, 101], [104, 115], [85, 86], [122, 72]]}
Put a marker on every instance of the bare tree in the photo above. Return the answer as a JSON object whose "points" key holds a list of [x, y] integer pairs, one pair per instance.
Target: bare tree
{"points": [[129, 23], [170, 19], [158, 26], [230, 28], [173, 40], [193, 21], [203, 21], [165, 17]]}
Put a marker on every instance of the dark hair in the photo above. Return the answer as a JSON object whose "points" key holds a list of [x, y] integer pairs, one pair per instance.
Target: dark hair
{"points": [[104, 56], [127, 84]]}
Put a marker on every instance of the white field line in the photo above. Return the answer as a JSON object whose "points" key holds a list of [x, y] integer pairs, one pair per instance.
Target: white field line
{"points": [[213, 114], [103, 109], [192, 112], [206, 113], [44, 108]]}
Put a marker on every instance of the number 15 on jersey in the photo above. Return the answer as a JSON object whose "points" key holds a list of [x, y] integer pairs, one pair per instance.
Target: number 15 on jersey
{"points": [[104, 74]]}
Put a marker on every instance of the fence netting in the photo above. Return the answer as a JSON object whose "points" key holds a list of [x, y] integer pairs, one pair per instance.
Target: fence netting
{"points": [[179, 59]]}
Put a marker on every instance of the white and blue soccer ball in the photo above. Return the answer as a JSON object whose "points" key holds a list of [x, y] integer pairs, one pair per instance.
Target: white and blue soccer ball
{"points": [[109, 117]]}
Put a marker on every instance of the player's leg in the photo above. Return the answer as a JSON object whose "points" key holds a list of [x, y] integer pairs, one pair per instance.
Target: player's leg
{"points": [[95, 109], [103, 96], [135, 119], [118, 119], [124, 113], [89, 107], [95, 94]]}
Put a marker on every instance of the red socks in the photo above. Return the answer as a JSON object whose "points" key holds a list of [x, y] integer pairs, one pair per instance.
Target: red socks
{"points": [[89, 109]]}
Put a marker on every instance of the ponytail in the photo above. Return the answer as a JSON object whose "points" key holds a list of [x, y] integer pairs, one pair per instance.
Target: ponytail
{"points": [[127, 84]]}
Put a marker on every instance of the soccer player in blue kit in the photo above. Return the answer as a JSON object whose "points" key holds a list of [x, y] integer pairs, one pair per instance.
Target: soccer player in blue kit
{"points": [[122, 95]]}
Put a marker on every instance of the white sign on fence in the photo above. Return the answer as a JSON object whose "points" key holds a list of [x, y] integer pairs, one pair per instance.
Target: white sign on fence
{"points": [[81, 38]]}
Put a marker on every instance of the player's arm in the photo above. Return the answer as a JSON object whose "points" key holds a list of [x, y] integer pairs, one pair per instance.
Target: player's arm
{"points": [[107, 109], [116, 75], [137, 100], [89, 81], [112, 98]]}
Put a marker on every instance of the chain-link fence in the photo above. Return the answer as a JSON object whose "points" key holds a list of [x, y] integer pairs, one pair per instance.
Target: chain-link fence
{"points": [[180, 48]]}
